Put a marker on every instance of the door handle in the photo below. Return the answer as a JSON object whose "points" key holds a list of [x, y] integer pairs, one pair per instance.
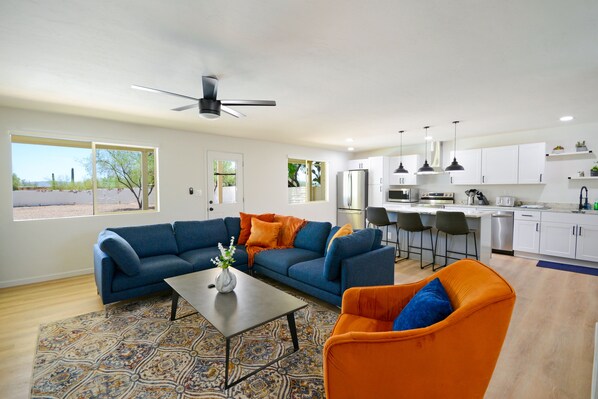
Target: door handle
{"points": [[537, 226], [573, 232], [451, 179], [211, 209], [540, 177], [580, 231], [526, 215], [483, 179]]}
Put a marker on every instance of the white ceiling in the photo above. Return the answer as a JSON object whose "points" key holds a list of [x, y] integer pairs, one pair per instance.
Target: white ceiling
{"points": [[337, 69]]}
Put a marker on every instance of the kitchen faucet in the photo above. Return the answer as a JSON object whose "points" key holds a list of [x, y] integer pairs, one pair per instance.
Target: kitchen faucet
{"points": [[585, 204]]}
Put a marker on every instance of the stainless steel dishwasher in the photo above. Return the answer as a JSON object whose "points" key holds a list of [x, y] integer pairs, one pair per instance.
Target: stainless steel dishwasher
{"points": [[502, 232]]}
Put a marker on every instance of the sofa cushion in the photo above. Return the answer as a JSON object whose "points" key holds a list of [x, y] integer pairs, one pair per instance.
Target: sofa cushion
{"points": [[428, 306], [150, 240], [152, 270], [343, 231], [330, 235], [312, 273], [377, 244], [263, 234], [313, 236], [246, 224], [120, 251], [200, 234], [345, 247], [200, 258], [279, 260], [233, 227], [290, 227]]}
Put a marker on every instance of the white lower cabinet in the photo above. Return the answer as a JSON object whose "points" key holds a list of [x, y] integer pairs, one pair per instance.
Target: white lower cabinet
{"points": [[587, 242], [558, 239], [526, 231], [571, 236]]}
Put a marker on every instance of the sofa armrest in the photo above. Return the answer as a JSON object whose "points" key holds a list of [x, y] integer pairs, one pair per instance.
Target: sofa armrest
{"points": [[104, 268]]}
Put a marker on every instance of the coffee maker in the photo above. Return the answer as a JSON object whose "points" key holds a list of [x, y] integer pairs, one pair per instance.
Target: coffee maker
{"points": [[471, 193]]}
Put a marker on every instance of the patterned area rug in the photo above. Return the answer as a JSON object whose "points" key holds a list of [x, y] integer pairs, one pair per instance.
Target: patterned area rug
{"points": [[134, 351]]}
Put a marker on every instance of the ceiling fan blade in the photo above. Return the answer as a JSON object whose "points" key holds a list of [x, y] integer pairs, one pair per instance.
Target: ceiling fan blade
{"points": [[249, 102], [231, 111], [186, 107], [162, 91], [210, 87]]}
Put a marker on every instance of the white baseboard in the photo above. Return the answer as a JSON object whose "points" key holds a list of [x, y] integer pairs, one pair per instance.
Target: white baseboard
{"points": [[48, 277], [595, 371]]}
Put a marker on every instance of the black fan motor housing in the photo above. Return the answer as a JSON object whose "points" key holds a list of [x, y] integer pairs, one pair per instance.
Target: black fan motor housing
{"points": [[209, 109]]}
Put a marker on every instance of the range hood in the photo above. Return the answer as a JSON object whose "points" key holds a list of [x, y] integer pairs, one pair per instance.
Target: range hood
{"points": [[434, 148]]}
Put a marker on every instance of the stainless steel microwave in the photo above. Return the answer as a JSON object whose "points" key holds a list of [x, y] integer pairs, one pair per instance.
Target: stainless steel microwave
{"points": [[403, 195]]}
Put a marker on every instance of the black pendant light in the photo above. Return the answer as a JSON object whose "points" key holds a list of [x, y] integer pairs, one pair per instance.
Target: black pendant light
{"points": [[454, 166], [426, 168], [401, 169]]}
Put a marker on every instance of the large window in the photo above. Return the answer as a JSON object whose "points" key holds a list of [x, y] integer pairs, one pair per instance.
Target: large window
{"points": [[306, 180], [54, 178]]}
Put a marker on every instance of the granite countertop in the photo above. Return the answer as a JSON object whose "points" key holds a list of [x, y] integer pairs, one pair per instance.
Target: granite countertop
{"points": [[425, 210], [477, 209]]}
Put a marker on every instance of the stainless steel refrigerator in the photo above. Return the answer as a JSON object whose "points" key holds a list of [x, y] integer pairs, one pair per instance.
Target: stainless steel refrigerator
{"points": [[352, 198]]}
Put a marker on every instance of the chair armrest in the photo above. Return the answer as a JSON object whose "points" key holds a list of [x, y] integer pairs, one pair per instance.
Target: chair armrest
{"points": [[380, 303]]}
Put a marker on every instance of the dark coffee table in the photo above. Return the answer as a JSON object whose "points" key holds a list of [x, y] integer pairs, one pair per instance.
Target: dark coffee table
{"points": [[252, 304]]}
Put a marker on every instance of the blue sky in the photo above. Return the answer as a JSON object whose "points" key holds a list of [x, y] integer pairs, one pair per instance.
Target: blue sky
{"points": [[33, 162]]}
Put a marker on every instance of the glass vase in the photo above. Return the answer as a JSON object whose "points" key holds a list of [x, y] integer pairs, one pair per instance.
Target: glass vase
{"points": [[226, 281]]}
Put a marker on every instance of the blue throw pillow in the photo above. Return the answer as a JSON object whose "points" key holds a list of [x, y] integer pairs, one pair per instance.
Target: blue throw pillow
{"points": [[430, 305], [346, 247], [120, 251]]}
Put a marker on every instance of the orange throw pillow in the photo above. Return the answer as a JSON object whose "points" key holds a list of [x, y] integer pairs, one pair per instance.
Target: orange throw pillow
{"points": [[290, 227], [246, 224], [263, 234], [343, 231]]}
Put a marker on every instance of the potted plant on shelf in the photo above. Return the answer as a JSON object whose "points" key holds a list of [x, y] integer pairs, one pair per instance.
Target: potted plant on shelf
{"points": [[558, 149], [594, 170], [581, 146]]}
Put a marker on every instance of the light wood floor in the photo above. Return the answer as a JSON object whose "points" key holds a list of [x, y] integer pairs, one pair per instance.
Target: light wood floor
{"points": [[548, 351]]}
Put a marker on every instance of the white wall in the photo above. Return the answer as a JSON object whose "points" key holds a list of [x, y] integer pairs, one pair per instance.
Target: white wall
{"points": [[557, 190], [44, 249]]}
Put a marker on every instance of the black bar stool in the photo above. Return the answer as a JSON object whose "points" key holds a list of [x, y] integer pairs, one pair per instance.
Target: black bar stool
{"points": [[411, 222], [453, 223], [379, 218]]}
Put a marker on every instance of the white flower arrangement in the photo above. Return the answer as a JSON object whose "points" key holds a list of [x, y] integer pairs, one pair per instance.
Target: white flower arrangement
{"points": [[226, 255]]}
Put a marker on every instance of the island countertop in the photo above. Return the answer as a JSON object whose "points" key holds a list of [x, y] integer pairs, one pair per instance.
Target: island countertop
{"points": [[426, 210]]}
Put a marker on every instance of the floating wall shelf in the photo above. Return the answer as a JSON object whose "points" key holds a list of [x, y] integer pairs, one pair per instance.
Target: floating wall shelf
{"points": [[562, 154], [583, 178]]}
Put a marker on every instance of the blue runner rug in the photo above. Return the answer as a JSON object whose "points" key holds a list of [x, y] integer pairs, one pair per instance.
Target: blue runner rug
{"points": [[568, 268]]}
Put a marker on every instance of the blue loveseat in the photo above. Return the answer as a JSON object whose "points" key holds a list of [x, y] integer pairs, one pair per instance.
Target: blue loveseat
{"points": [[134, 261]]}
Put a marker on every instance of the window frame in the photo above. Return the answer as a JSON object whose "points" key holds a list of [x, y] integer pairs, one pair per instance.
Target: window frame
{"points": [[309, 161], [94, 146]]}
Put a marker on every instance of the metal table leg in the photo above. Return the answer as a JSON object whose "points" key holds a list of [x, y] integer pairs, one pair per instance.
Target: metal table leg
{"points": [[175, 304]]}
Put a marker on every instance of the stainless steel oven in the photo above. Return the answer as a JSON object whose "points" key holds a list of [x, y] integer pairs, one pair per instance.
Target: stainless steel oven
{"points": [[403, 195]]}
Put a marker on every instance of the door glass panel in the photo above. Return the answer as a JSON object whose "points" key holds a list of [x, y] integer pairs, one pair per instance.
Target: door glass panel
{"points": [[225, 182]]}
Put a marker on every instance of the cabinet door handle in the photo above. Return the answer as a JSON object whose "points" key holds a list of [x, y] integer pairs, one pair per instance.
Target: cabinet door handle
{"points": [[580, 231], [380, 180], [573, 232], [380, 188], [537, 225], [483, 179], [529, 216], [540, 177], [451, 179]]}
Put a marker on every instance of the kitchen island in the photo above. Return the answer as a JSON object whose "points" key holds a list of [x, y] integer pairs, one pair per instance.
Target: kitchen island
{"points": [[480, 221]]}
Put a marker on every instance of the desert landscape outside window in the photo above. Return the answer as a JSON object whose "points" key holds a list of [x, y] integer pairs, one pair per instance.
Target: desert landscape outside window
{"points": [[56, 178]]}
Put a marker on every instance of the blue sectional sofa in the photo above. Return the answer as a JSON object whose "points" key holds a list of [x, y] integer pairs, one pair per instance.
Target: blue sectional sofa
{"points": [[134, 261]]}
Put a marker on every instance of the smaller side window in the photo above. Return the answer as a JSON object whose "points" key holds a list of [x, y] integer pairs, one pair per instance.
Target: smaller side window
{"points": [[306, 180]]}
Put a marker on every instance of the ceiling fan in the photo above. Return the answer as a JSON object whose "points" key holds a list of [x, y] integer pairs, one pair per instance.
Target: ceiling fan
{"points": [[209, 106]]}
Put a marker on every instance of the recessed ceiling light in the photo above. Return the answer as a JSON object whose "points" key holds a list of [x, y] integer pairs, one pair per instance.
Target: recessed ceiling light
{"points": [[428, 138], [349, 140], [566, 118], [351, 149]]}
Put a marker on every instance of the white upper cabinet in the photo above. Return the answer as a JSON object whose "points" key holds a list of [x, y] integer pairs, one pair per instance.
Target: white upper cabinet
{"points": [[359, 164], [500, 165], [378, 170], [411, 163], [376, 194], [532, 158], [471, 160]]}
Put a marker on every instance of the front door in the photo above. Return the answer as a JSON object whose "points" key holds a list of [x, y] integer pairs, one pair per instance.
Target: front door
{"points": [[225, 184]]}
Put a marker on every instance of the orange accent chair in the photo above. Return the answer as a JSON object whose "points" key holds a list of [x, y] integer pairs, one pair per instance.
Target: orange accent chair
{"points": [[454, 358]]}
